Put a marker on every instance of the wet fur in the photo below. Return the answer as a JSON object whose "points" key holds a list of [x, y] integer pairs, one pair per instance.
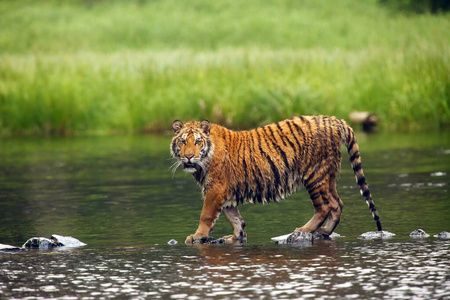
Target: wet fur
{"points": [[266, 164]]}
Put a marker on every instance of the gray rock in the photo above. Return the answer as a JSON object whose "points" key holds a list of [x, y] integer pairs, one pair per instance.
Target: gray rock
{"points": [[443, 235], [301, 238], [376, 235], [283, 239], [67, 241], [9, 248], [41, 243], [419, 234], [172, 242], [54, 241]]}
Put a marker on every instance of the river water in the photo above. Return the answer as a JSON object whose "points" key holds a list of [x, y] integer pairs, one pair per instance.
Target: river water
{"points": [[117, 195]]}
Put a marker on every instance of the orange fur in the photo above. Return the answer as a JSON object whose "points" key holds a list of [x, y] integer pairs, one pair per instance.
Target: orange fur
{"points": [[266, 164]]}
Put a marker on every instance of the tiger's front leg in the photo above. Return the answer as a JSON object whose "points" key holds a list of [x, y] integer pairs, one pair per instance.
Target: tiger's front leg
{"points": [[214, 198]]}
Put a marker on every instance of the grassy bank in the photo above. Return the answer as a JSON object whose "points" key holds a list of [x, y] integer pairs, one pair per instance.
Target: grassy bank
{"points": [[102, 67]]}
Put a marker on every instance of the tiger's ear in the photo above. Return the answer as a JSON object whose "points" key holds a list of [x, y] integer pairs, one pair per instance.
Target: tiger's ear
{"points": [[205, 126], [177, 125]]}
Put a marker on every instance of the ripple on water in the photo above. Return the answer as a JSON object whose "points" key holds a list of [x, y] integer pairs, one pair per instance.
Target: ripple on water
{"points": [[377, 269]]}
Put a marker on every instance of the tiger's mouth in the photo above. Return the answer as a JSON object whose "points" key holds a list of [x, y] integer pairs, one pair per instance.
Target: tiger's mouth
{"points": [[189, 165]]}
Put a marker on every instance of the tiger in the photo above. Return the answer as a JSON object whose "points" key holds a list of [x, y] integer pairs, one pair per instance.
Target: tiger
{"points": [[265, 165]]}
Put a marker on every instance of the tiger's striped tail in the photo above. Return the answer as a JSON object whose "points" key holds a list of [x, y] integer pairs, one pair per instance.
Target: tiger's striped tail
{"points": [[355, 160]]}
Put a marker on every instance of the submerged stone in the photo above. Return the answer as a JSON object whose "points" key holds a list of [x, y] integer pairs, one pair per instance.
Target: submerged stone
{"points": [[418, 234], [172, 242], [295, 238], [9, 248], [443, 235], [54, 241], [67, 241], [376, 235], [41, 243], [300, 238]]}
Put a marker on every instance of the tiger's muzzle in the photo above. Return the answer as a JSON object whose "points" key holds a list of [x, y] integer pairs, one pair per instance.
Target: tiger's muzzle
{"points": [[190, 163]]}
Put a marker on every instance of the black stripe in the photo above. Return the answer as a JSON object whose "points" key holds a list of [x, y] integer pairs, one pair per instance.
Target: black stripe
{"points": [[357, 167], [283, 137], [241, 190], [283, 154], [354, 156], [244, 163], [281, 134], [311, 185], [305, 141], [319, 133], [314, 196], [299, 129], [295, 137], [350, 145], [256, 173], [272, 166], [342, 127], [174, 148], [361, 180], [366, 193], [260, 190]]}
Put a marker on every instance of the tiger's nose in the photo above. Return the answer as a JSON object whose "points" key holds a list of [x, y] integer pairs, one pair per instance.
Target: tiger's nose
{"points": [[189, 156]]}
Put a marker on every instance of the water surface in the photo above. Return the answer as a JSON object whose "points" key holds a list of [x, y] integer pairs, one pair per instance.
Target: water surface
{"points": [[117, 195]]}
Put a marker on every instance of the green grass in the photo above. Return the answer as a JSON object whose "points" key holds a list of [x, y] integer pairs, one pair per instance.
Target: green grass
{"points": [[100, 67]]}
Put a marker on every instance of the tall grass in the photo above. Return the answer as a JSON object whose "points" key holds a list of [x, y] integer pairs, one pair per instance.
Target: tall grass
{"points": [[100, 67]]}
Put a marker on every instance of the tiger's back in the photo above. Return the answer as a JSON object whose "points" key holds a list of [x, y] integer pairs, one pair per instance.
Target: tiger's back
{"points": [[267, 163], [272, 161]]}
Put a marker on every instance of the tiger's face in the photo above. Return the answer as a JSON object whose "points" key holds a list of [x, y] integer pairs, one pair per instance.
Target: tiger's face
{"points": [[191, 145]]}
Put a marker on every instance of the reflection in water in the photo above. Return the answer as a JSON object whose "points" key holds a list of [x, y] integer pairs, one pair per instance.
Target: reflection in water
{"points": [[117, 195], [350, 269]]}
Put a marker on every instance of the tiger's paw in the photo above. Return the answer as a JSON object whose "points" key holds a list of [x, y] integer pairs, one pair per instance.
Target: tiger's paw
{"points": [[323, 232], [232, 239], [229, 237], [191, 239], [198, 239]]}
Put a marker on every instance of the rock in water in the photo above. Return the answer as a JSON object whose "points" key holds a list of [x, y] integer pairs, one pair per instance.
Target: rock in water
{"points": [[300, 238], [53, 242], [67, 241], [172, 242], [376, 235], [443, 235], [9, 248], [419, 234], [283, 239], [41, 243]]}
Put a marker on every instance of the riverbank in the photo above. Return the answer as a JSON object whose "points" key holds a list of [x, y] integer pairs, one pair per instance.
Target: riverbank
{"points": [[133, 67]]}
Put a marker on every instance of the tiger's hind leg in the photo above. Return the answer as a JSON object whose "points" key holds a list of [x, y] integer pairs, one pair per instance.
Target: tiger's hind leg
{"points": [[235, 219], [336, 206], [320, 197]]}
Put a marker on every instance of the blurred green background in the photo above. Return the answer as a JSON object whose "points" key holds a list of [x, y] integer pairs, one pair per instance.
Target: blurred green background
{"points": [[105, 67]]}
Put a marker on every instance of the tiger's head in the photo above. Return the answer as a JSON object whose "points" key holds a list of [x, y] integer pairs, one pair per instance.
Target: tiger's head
{"points": [[191, 145]]}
